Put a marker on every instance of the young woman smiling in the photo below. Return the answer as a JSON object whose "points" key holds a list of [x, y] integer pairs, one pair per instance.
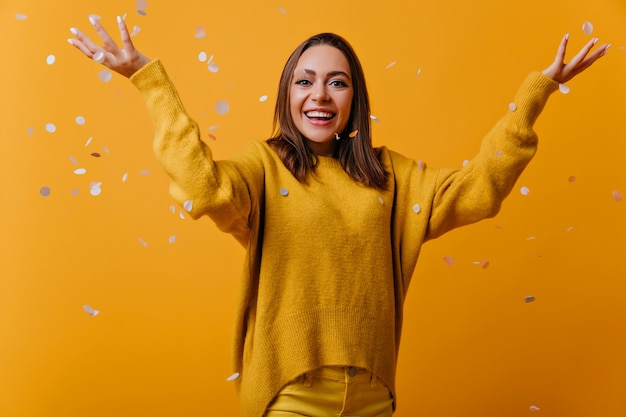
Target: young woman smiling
{"points": [[332, 227]]}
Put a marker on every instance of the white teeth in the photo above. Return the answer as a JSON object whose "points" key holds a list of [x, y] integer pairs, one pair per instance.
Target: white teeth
{"points": [[319, 114]]}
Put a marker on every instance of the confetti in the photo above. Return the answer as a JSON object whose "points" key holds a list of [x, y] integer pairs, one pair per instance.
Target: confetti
{"points": [[222, 107], [210, 59], [572, 179], [587, 28], [213, 128], [51, 127], [74, 192], [74, 161], [173, 209], [143, 242], [353, 133], [188, 205], [105, 149], [417, 208], [95, 154], [200, 33], [213, 67], [50, 59], [381, 200], [263, 99], [529, 299], [233, 377], [512, 106], [80, 120], [88, 141], [21, 16], [44, 191], [212, 136], [374, 118], [449, 260], [391, 64], [145, 172], [524, 190], [534, 408], [94, 188], [465, 162], [92, 312], [569, 229], [419, 72], [484, 264], [202, 56], [30, 131], [124, 177], [142, 12], [136, 30], [181, 215], [172, 239], [80, 171], [283, 11], [617, 196], [563, 88], [284, 192], [105, 76], [98, 57]]}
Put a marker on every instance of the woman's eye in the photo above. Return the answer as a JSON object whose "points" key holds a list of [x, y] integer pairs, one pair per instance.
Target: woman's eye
{"points": [[338, 83], [303, 82]]}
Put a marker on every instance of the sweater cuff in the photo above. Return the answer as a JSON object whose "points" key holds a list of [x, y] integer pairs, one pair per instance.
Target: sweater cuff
{"points": [[147, 75]]}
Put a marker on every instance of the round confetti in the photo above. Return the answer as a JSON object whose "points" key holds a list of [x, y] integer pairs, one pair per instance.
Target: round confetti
{"points": [[105, 75], [200, 33], [44, 191], [136, 30], [524, 190], [449, 260], [98, 57], [51, 127], [284, 192], [233, 377], [80, 120], [283, 11], [188, 205], [141, 4], [587, 28], [145, 172], [92, 312], [30, 131], [172, 239], [74, 192], [617, 196], [512, 106], [417, 208], [124, 177], [202, 56], [105, 149], [94, 188], [213, 67], [142, 12], [572, 179], [222, 107], [21, 16], [50, 59], [262, 99], [484, 264], [529, 299], [563, 88], [80, 171]]}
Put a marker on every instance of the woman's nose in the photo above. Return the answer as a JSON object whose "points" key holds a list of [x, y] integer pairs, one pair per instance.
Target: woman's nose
{"points": [[320, 94]]}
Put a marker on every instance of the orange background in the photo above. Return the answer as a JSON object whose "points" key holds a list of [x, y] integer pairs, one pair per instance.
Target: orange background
{"points": [[160, 346]]}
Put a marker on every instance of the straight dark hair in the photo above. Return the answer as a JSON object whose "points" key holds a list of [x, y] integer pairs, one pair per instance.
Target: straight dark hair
{"points": [[356, 154]]}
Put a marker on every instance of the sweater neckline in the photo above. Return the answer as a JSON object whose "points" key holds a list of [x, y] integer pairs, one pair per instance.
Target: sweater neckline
{"points": [[328, 161]]}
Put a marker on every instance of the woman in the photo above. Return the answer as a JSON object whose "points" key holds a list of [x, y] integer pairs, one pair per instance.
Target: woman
{"points": [[332, 226]]}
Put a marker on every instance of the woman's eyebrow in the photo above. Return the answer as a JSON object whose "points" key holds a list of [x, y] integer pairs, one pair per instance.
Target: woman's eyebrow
{"points": [[330, 74]]}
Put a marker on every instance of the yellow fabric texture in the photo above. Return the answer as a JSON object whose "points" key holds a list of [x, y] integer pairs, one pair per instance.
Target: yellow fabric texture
{"points": [[329, 262]]}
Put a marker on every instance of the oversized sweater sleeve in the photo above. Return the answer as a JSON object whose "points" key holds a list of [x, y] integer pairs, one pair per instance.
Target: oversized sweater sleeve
{"points": [[477, 190], [227, 191]]}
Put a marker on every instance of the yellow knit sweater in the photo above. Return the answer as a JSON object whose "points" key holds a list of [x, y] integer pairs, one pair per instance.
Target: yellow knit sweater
{"points": [[328, 263]]}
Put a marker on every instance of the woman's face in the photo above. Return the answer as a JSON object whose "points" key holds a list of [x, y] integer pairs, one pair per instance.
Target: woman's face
{"points": [[321, 96]]}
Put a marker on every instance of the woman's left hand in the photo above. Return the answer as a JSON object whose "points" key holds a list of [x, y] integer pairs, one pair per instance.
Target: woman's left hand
{"points": [[561, 72]]}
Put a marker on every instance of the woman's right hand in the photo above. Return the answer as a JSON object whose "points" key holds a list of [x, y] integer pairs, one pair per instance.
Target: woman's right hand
{"points": [[125, 61]]}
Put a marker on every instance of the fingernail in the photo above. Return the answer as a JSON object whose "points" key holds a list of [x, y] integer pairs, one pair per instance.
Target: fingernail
{"points": [[92, 20], [595, 40], [74, 31], [566, 36], [71, 42], [119, 20], [607, 47]]}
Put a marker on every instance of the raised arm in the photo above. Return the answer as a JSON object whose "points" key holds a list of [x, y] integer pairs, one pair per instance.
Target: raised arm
{"points": [[125, 61], [561, 72]]}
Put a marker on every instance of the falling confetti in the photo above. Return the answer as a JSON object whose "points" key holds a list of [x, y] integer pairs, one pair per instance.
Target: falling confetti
{"points": [[419, 72], [74, 161], [524, 190], [213, 128], [181, 215], [417, 208], [105, 75], [202, 56], [374, 118], [143, 242], [30, 131], [188, 205], [391, 64], [145, 172], [200, 33], [21, 16], [136, 30], [94, 188], [51, 59], [284, 192], [381, 200], [95, 154], [44, 191], [88, 141], [563, 88], [222, 107], [51, 127], [105, 149], [449, 260], [80, 120], [74, 192], [172, 239], [92, 312], [263, 99], [80, 171], [213, 67], [233, 377], [283, 11], [212, 136], [572, 178], [124, 177], [529, 299], [142, 12], [484, 264], [587, 28], [512, 106], [534, 408], [617, 196], [569, 229]]}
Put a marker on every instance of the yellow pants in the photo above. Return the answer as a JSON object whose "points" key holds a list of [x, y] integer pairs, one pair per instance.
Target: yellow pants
{"points": [[333, 392]]}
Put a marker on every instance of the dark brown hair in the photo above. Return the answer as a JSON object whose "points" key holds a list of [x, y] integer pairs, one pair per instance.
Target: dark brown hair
{"points": [[356, 154]]}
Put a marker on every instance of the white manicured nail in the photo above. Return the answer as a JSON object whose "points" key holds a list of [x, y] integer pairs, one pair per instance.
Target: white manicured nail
{"points": [[92, 20], [74, 31]]}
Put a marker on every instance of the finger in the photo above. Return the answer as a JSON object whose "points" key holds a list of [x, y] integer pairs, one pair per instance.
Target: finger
{"points": [[83, 43], [591, 59], [126, 41], [108, 42], [560, 53], [580, 56]]}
